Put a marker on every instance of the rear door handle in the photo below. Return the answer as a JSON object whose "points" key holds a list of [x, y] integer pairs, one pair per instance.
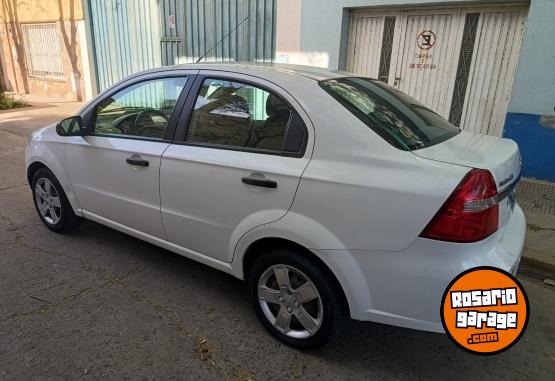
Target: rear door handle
{"points": [[258, 182], [136, 160]]}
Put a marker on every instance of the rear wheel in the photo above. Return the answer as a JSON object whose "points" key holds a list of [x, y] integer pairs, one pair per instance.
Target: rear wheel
{"points": [[295, 299], [51, 202]]}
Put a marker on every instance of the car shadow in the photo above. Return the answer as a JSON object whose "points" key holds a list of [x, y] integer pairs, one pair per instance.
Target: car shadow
{"points": [[362, 346]]}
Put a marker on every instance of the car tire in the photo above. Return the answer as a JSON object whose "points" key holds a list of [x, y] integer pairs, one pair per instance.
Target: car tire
{"points": [[282, 306], [51, 202]]}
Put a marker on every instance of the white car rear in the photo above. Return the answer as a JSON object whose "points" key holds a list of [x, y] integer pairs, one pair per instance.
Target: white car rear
{"points": [[331, 195]]}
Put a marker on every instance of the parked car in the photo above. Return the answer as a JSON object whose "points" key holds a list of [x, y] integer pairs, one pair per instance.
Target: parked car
{"points": [[332, 195]]}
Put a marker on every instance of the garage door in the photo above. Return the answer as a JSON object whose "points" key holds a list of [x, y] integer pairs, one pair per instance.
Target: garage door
{"points": [[459, 62]]}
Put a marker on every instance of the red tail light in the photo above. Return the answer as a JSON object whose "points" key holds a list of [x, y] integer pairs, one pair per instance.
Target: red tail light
{"points": [[470, 214]]}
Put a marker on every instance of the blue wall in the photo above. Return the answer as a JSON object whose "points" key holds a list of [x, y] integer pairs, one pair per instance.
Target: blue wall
{"points": [[535, 136]]}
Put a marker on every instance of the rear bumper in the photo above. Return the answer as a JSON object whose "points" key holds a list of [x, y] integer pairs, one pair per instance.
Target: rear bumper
{"points": [[405, 288]]}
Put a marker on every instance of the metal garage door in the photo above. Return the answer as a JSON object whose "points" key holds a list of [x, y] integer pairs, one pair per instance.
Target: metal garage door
{"points": [[458, 61]]}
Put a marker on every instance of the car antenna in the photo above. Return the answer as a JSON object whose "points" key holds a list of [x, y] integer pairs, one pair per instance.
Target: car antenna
{"points": [[223, 38]]}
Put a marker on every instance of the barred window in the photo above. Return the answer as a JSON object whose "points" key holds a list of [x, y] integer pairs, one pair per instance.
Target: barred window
{"points": [[42, 51]]}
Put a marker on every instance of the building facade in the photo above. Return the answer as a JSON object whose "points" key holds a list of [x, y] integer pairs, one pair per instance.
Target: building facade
{"points": [[73, 49], [43, 48], [177, 31], [487, 66]]}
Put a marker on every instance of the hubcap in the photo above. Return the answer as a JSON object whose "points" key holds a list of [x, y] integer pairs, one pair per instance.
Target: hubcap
{"points": [[290, 301], [48, 201]]}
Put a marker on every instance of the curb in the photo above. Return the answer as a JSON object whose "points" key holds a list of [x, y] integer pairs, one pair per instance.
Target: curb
{"points": [[537, 268]]}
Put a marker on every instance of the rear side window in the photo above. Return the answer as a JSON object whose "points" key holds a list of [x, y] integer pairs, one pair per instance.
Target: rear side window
{"points": [[396, 117], [239, 115]]}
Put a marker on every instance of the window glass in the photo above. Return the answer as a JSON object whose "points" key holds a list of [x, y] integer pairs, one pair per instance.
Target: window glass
{"points": [[296, 135], [238, 115], [399, 119], [143, 109]]}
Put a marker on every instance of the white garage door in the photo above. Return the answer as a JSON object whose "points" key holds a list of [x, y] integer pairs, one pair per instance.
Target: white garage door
{"points": [[459, 62]]}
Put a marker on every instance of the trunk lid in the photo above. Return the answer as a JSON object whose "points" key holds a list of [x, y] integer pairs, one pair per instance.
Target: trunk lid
{"points": [[500, 156]]}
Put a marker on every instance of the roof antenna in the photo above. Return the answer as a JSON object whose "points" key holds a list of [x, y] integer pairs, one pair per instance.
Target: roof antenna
{"points": [[223, 38]]}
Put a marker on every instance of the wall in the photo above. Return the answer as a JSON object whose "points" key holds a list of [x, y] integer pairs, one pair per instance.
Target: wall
{"points": [[288, 34], [324, 23], [40, 10], [288, 37], [534, 85], [68, 14], [531, 117]]}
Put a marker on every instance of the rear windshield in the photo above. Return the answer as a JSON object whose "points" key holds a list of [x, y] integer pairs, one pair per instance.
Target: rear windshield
{"points": [[399, 119]]}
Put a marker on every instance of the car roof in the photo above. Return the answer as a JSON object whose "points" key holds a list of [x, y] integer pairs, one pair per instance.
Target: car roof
{"points": [[267, 70]]}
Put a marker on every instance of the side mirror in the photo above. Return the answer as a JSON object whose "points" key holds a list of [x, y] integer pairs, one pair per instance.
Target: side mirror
{"points": [[71, 126]]}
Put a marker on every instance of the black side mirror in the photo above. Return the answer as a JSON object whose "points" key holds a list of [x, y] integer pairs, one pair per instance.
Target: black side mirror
{"points": [[71, 126]]}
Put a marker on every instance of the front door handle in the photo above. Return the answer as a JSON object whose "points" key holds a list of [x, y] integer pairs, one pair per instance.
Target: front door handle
{"points": [[259, 182], [136, 160]]}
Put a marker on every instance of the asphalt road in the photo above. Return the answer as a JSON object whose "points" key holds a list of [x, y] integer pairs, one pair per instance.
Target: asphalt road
{"points": [[100, 304]]}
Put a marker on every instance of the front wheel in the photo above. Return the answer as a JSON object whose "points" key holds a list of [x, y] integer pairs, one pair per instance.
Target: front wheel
{"points": [[51, 202], [295, 299]]}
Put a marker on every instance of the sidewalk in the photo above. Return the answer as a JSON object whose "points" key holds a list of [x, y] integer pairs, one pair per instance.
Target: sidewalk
{"points": [[537, 199], [536, 196], [41, 112]]}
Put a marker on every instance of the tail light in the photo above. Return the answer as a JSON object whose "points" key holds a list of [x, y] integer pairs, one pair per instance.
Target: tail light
{"points": [[470, 214]]}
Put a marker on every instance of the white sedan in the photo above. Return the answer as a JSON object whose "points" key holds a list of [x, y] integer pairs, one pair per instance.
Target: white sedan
{"points": [[331, 195]]}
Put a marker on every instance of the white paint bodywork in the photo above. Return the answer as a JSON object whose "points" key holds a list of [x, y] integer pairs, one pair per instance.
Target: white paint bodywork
{"points": [[217, 201], [353, 200], [109, 187]]}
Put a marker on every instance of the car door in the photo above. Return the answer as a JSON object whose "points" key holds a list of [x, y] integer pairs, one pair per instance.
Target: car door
{"points": [[115, 169], [236, 163]]}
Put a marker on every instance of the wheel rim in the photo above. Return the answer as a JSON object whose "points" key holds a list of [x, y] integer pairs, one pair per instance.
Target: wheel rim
{"points": [[48, 201], [290, 301]]}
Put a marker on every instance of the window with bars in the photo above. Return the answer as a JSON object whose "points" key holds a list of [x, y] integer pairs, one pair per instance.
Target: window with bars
{"points": [[387, 45], [42, 51], [463, 68]]}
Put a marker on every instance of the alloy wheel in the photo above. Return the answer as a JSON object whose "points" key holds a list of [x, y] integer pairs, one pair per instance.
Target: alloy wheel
{"points": [[48, 201], [290, 301]]}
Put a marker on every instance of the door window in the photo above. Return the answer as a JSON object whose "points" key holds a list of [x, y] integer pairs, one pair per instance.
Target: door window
{"points": [[241, 115], [143, 109]]}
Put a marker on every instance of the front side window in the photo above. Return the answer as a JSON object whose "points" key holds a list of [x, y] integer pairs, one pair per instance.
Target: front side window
{"points": [[241, 115], [396, 117], [143, 109]]}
